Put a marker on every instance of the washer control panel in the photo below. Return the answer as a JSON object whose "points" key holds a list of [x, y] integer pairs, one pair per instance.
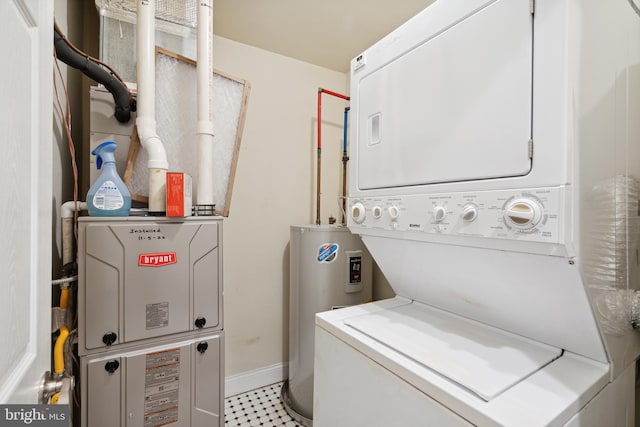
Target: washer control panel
{"points": [[531, 214]]}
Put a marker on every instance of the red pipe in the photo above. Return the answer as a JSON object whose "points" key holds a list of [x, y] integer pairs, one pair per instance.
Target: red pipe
{"points": [[319, 156], [338, 95], [328, 92], [320, 90]]}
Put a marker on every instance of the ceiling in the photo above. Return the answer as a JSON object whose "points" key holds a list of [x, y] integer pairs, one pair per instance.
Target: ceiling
{"points": [[328, 33]]}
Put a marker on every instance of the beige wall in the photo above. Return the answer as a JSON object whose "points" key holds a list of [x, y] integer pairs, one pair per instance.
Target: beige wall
{"points": [[274, 188], [69, 17], [274, 185]]}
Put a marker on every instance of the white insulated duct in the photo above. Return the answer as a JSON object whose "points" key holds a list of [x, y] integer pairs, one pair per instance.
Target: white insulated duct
{"points": [[205, 106], [146, 122]]}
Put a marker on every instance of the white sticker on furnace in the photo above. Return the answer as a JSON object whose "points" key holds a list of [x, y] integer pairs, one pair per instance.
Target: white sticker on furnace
{"points": [[108, 197], [157, 315], [161, 386]]}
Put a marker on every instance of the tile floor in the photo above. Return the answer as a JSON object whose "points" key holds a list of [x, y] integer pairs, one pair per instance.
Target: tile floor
{"points": [[261, 407]]}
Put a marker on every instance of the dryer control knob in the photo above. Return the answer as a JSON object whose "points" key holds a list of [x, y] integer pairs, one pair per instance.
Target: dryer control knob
{"points": [[439, 212], [394, 212], [358, 213], [523, 214]]}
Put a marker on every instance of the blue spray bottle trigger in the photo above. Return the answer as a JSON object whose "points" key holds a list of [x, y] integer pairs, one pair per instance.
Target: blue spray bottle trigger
{"points": [[104, 150]]}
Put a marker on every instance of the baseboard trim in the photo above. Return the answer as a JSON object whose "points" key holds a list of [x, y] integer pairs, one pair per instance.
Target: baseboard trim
{"points": [[250, 380]]}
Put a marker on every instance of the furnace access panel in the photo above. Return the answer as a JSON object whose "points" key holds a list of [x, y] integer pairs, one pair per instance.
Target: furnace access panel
{"points": [[146, 277]]}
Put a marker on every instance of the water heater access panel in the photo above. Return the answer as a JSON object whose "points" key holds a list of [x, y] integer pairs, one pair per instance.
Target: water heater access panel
{"points": [[149, 277]]}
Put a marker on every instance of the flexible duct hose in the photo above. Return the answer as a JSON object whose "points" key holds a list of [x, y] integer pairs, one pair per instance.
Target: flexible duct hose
{"points": [[58, 351], [64, 298], [73, 57]]}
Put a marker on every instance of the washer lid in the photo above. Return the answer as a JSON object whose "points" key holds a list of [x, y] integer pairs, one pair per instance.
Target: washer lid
{"points": [[484, 360]]}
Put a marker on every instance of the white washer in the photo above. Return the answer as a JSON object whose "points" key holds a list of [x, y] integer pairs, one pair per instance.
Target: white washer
{"points": [[494, 179]]}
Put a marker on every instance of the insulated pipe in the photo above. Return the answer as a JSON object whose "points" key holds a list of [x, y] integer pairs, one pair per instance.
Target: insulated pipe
{"points": [[345, 159], [68, 208], [205, 108], [344, 135], [338, 95], [65, 280], [66, 213], [146, 122], [75, 58]]}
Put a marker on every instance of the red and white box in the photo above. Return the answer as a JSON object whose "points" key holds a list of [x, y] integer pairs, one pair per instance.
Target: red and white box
{"points": [[179, 200]]}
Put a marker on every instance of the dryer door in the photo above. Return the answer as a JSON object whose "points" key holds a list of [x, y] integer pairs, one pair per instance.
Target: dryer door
{"points": [[454, 107]]}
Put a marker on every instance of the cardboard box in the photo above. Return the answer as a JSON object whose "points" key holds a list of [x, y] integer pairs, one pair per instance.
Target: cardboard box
{"points": [[179, 200]]}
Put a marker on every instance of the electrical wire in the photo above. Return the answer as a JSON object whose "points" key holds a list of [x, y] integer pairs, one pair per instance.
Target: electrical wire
{"points": [[67, 127], [75, 362]]}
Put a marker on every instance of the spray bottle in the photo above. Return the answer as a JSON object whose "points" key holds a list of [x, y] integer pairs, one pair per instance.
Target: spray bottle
{"points": [[108, 196]]}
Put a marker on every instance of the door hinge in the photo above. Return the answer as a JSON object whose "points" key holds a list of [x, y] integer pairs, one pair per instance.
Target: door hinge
{"points": [[531, 149], [532, 6]]}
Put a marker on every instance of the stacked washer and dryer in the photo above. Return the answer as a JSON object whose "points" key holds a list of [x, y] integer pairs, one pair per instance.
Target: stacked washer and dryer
{"points": [[494, 179]]}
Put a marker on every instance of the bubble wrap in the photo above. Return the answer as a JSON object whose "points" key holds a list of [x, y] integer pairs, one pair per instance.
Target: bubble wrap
{"points": [[611, 262]]}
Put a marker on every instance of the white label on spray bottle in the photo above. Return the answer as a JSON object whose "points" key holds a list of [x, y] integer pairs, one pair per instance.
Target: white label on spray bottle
{"points": [[108, 197]]}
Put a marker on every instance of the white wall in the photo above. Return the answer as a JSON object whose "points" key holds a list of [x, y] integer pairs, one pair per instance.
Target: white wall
{"points": [[274, 188]]}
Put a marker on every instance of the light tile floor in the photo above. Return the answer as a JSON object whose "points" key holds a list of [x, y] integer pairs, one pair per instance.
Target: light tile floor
{"points": [[260, 407]]}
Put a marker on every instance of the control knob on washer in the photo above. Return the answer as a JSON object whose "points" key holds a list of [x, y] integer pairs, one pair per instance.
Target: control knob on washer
{"points": [[394, 212], [523, 213], [377, 212], [469, 213], [439, 212]]}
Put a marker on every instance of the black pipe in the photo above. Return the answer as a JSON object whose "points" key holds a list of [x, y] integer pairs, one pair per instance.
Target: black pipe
{"points": [[86, 64]]}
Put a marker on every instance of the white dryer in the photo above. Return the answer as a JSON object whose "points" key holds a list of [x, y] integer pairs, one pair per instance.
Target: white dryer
{"points": [[494, 179]]}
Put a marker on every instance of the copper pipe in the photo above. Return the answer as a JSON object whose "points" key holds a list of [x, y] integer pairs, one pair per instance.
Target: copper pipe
{"points": [[319, 154], [338, 95]]}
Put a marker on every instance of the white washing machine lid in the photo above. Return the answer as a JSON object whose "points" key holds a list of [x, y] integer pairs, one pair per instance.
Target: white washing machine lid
{"points": [[482, 359]]}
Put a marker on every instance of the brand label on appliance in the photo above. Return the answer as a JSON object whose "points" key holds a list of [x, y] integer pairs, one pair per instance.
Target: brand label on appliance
{"points": [[328, 252], [157, 259]]}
